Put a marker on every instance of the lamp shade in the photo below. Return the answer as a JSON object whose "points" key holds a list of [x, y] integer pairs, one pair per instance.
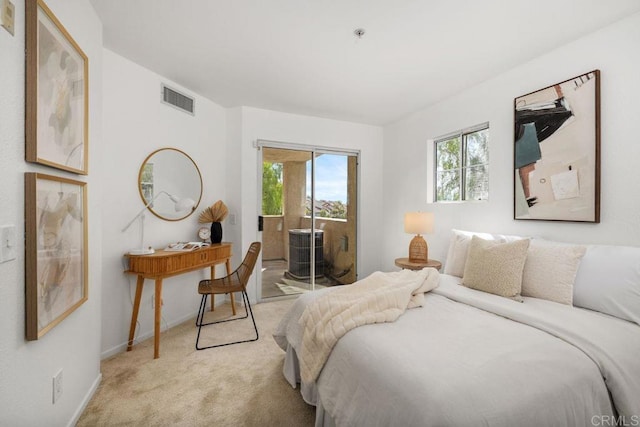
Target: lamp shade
{"points": [[418, 222], [180, 205], [184, 204]]}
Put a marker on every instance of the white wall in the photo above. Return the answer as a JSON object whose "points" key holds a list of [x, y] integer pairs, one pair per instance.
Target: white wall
{"points": [[231, 227], [220, 142], [613, 50], [27, 368], [136, 123], [291, 128]]}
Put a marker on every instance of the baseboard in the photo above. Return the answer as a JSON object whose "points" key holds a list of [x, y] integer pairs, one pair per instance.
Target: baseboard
{"points": [[85, 401], [147, 334]]}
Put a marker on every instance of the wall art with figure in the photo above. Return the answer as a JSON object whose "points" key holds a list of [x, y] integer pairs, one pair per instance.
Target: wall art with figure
{"points": [[557, 151]]}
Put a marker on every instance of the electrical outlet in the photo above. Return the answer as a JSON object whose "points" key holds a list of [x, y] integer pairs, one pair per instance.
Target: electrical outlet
{"points": [[57, 386], [232, 219]]}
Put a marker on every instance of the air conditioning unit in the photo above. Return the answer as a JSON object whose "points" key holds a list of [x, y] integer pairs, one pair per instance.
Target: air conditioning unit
{"points": [[300, 242], [178, 100]]}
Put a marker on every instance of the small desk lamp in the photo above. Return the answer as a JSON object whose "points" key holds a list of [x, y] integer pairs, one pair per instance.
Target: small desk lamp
{"points": [[418, 223], [180, 205]]}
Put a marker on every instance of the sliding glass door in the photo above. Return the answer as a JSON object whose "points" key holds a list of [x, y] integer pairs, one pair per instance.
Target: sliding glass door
{"points": [[308, 217]]}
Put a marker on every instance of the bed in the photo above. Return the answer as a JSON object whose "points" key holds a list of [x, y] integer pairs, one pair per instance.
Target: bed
{"points": [[468, 358]]}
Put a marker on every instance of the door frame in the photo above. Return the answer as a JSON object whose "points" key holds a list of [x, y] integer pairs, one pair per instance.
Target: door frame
{"points": [[313, 149]]}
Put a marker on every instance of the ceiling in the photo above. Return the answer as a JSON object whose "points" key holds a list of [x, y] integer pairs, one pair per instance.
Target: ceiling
{"points": [[301, 56]]}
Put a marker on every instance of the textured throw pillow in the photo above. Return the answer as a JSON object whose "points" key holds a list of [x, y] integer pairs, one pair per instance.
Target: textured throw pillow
{"points": [[550, 270], [496, 267], [459, 247]]}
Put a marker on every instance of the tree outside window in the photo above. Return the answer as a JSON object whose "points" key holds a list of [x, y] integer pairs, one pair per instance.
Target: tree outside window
{"points": [[271, 188], [462, 165]]}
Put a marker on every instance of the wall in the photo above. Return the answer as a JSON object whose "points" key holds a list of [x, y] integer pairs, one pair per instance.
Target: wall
{"points": [[294, 190], [252, 124], [613, 50], [337, 235], [27, 368], [136, 123], [273, 238]]}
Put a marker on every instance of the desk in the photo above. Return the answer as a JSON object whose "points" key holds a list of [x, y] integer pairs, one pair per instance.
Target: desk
{"points": [[163, 264], [405, 263]]}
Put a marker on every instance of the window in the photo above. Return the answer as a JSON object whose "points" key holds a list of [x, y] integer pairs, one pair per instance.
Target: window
{"points": [[462, 165], [331, 185]]}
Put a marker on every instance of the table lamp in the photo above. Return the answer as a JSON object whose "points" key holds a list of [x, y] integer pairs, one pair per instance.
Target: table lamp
{"points": [[180, 205], [418, 223]]}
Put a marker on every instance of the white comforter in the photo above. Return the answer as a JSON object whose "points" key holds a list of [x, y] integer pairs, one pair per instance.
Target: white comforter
{"points": [[380, 297], [454, 362]]}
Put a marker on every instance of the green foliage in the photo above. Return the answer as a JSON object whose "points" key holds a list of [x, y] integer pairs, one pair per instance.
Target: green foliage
{"points": [[147, 173], [477, 173], [453, 168], [478, 148], [338, 210], [271, 188], [448, 160]]}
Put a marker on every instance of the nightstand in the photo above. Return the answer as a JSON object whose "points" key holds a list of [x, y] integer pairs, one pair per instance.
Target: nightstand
{"points": [[405, 263]]}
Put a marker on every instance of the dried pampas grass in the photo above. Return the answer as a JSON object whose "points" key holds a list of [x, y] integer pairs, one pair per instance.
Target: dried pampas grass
{"points": [[214, 213]]}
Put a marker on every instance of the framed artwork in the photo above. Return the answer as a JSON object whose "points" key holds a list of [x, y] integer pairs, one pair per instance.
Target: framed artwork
{"points": [[57, 104], [56, 250], [557, 151]]}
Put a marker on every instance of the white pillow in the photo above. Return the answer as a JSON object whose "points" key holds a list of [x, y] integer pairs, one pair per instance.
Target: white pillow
{"points": [[496, 267], [550, 270], [608, 281], [459, 248]]}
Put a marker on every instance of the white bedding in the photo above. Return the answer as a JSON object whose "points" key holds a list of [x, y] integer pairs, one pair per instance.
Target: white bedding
{"points": [[454, 362], [380, 297]]}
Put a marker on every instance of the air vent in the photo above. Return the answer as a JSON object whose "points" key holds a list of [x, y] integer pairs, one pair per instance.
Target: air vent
{"points": [[178, 100]]}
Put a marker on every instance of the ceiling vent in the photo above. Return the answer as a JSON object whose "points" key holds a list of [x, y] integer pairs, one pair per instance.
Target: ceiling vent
{"points": [[178, 100]]}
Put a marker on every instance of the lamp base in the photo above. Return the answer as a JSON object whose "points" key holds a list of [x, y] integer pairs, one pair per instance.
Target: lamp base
{"points": [[142, 251], [418, 250]]}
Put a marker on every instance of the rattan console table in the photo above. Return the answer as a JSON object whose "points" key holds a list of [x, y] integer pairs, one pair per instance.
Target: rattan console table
{"points": [[162, 264]]}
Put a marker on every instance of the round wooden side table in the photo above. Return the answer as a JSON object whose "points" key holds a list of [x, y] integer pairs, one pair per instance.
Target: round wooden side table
{"points": [[405, 263]]}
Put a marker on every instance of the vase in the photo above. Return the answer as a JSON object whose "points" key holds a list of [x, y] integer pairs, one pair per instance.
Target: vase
{"points": [[216, 232]]}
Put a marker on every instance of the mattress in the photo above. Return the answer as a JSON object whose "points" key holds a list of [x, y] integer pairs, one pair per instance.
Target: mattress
{"points": [[469, 358]]}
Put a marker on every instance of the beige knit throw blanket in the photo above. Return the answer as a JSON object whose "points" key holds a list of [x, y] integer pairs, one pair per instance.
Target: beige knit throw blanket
{"points": [[380, 297]]}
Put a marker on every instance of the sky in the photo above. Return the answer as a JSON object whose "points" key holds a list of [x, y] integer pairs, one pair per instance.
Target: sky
{"points": [[331, 177]]}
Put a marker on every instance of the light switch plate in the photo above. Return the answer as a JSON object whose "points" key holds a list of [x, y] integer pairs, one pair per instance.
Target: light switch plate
{"points": [[8, 15], [7, 243]]}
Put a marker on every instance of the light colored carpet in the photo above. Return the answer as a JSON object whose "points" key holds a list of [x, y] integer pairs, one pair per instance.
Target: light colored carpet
{"points": [[291, 287], [237, 385]]}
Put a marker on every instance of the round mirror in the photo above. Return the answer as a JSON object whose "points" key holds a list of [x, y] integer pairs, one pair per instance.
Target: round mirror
{"points": [[171, 180]]}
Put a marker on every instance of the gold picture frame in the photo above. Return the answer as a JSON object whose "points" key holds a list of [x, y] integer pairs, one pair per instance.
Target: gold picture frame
{"points": [[56, 259], [557, 151], [57, 93]]}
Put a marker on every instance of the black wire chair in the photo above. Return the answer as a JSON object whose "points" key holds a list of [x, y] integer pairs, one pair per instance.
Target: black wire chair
{"points": [[234, 282]]}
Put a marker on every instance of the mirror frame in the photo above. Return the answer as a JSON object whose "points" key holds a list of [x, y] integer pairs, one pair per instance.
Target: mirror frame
{"points": [[145, 201]]}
